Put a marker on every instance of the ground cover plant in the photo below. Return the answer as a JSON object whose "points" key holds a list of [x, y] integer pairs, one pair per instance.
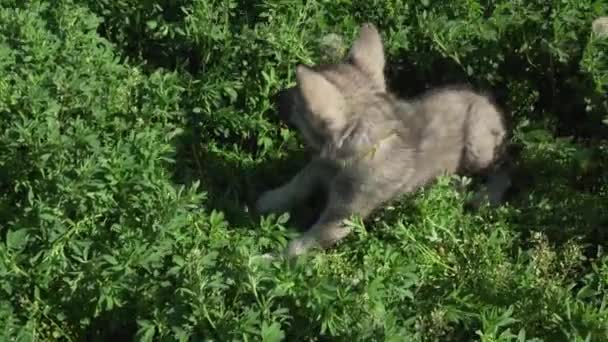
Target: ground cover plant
{"points": [[135, 135]]}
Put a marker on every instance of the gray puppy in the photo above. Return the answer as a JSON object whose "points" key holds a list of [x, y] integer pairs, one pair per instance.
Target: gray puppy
{"points": [[371, 147]]}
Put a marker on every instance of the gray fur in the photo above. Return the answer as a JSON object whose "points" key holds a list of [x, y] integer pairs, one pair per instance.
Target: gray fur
{"points": [[371, 147]]}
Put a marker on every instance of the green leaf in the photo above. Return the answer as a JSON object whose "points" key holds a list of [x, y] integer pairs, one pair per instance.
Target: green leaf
{"points": [[152, 24], [272, 332], [17, 239], [110, 259], [146, 331]]}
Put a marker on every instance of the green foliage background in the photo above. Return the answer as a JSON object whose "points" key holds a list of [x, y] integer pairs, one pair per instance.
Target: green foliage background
{"points": [[135, 134]]}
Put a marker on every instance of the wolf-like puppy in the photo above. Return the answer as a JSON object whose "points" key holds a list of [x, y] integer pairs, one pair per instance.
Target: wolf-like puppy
{"points": [[370, 147]]}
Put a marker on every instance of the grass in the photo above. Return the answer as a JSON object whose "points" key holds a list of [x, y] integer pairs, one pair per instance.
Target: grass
{"points": [[134, 136]]}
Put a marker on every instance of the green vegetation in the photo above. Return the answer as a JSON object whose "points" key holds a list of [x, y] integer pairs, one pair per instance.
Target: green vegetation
{"points": [[135, 134]]}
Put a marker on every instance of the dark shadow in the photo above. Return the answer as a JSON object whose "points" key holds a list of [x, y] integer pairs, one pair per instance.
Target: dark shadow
{"points": [[107, 327], [406, 79], [567, 96], [173, 50], [232, 185], [568, 202], [137, 39], [552, 195]]}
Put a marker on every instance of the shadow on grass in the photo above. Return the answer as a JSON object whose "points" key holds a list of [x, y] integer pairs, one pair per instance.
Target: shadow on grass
{"points": [[107, 328], [562, 199], [234, 181]]}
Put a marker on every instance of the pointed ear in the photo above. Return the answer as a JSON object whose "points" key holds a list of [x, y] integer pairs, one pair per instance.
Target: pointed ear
{"points": [[323, 98], [368, 52]]}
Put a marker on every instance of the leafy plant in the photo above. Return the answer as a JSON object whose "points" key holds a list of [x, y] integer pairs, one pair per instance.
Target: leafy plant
{"points": [[135, 134]]}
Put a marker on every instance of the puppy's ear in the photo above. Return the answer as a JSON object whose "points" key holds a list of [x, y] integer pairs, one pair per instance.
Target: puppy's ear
{"points": [[323, 99], [367, 52]]}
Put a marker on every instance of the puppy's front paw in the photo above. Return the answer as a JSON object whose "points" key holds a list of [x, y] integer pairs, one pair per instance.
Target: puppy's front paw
{"points": [[301, 246], [270, 202]]}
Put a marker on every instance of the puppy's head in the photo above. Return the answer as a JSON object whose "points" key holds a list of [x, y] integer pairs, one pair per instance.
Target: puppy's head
{"points": [[328, 98]]}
